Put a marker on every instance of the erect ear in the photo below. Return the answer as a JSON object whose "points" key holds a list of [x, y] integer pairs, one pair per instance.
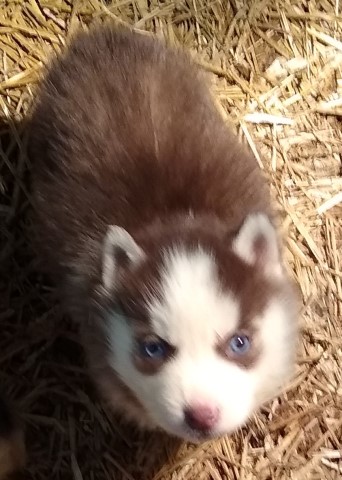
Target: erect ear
{"points": [[119, 248], [257, 244]]}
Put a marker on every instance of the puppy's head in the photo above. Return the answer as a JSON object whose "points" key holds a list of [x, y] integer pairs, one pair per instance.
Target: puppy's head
{"points": [[202, 325]]}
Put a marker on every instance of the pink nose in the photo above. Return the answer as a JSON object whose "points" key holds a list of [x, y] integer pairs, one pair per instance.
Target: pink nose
{"points": [[201, 417]]}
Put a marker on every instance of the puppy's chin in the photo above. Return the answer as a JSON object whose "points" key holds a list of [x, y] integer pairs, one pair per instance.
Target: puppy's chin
{"points": [[185, 434], [197, 437]]}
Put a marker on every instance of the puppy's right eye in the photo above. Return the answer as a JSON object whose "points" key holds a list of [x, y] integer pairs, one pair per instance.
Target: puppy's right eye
{"points": [[151, 353], [153, 349], [239, 344]]}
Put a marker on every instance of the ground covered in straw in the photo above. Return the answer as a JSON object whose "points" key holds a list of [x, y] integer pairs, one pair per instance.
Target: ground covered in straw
{"points": [[281, 58]]}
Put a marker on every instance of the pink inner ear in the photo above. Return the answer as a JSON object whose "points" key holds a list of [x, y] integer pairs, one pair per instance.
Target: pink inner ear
{"points": [[265, 254], [261, 250], [256, 244]]}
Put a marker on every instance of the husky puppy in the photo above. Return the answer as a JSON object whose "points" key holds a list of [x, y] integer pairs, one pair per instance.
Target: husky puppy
{"points": [[155, 222]]}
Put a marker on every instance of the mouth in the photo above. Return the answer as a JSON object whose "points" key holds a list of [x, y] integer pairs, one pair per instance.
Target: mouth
{"points": [[193, 436], [183, 432], [199, 438]]}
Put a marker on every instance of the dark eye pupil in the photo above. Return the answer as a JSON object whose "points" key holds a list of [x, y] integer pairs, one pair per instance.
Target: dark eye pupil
{"points": [[239, 344], [151, 349]]}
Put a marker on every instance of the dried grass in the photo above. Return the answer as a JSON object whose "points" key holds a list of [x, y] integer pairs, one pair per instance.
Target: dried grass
{"points": [[276, 67]]}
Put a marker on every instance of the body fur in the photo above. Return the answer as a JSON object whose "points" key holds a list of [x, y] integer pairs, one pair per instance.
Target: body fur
{"points": [[125, 136]]}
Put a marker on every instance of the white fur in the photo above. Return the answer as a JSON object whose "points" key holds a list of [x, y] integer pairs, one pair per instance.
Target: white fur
{"points": [[194, 311], [277, 332], [117, 238], [192, 314], [258, 225]]}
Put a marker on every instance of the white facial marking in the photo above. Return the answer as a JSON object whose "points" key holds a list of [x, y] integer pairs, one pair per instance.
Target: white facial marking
{"points": [[194, 311], [191, 313], [277, 334]]}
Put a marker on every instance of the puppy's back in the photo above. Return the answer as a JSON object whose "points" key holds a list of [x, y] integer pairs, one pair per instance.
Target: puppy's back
{"points": [[125, 132]]}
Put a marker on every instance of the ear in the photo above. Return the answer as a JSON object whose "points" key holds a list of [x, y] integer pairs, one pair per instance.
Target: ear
{"points": [[119, 248], [257, 244]]}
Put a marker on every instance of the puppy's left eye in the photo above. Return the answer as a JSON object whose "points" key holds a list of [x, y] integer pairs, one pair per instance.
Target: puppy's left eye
{"points": [[153, 349], [239, 344]]}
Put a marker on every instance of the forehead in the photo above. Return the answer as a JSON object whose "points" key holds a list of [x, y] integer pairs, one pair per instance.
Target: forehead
{"points": [[191, 307]]}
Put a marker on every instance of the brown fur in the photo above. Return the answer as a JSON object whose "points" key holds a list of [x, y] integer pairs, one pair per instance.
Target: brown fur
{"points": [[125, 132]]}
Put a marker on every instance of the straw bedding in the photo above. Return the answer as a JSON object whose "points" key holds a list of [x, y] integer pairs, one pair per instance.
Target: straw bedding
{"points": [[276, 69]]}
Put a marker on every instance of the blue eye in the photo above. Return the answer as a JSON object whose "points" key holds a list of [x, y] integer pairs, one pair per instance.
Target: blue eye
{"points": [[239, 344], [153, 349]]}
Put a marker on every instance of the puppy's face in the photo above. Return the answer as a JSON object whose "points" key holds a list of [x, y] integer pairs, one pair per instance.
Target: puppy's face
{"points": [[204, 335]]}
